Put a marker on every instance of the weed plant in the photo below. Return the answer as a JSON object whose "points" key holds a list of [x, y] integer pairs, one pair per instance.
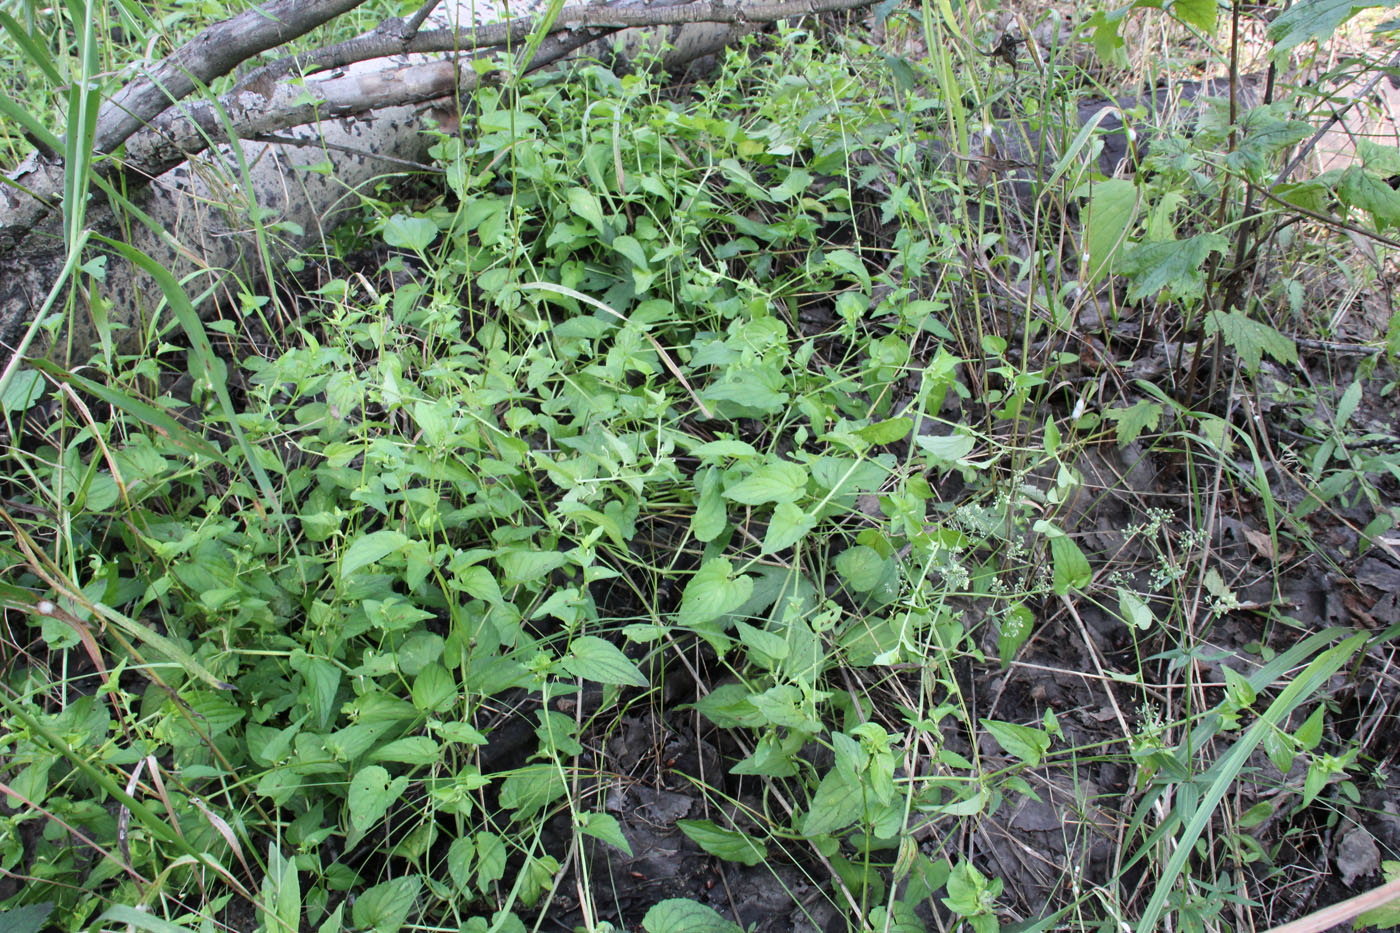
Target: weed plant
{"points": [[731, 440]]}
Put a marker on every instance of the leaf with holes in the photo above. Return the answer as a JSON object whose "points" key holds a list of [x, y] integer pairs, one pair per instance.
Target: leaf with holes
{"points": [[371, 792]]}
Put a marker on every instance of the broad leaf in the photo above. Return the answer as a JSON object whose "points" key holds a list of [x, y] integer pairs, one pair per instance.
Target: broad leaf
{"points": [[602, 662], [710, 515], [1178, 265], [1251, 339], [861, 567], [1016, 627], [415, 233], [1025, 743], [781, 481], [604, 826], [385, 907], [837, 804], [678, 915], [367, 549], [788, 525], [728, 844], [1362, 189], [712, 592], [371, 792], [1141, 416], [585, 204], [1307, 20], [1113, 206], [1134, 610]]}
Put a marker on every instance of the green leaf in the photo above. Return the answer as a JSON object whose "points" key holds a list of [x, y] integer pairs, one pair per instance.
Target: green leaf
{"points": [[1309, 734], [604, 826], [490, 859], [1251, 339], [788, 525], [1027, 744], [1178, 265], [322, 684], [1016, 627], [25, 388], [629, 247], [947, 451], [585, 204], [887, 431], [725, 449], [1347, 406], [848, 262], [602, 662], [1113, 207], [712, 592], [460, 856], [710, 514], [837, 804], [288, 911], [335, 923], [1314, 19], [1072, 570], [434, 689], [478, 581], [415, 233], [1238, 690], [367, 549], [531, 788], [768, 647], [862, 567], [385, 907], [1134, 610], [30, 919], [730, 706], [371, 792], [1141, 416], [728, 844], [136, 919], [781, 481], [1198, 13], [522, 565], [1364, 190], [678, 915], [411, 750]]}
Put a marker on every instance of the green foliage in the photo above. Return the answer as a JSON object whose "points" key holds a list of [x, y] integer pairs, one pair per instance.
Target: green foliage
{"points": [[1251, 339], [678, 915], [670, 385]]}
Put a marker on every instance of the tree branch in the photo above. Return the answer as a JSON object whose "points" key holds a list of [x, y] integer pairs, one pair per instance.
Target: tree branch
{"points": [[635, 14], [213, 53]]}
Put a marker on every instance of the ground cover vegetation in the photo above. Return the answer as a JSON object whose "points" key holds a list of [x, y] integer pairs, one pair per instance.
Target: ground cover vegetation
{"points": [[708, 504]]}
